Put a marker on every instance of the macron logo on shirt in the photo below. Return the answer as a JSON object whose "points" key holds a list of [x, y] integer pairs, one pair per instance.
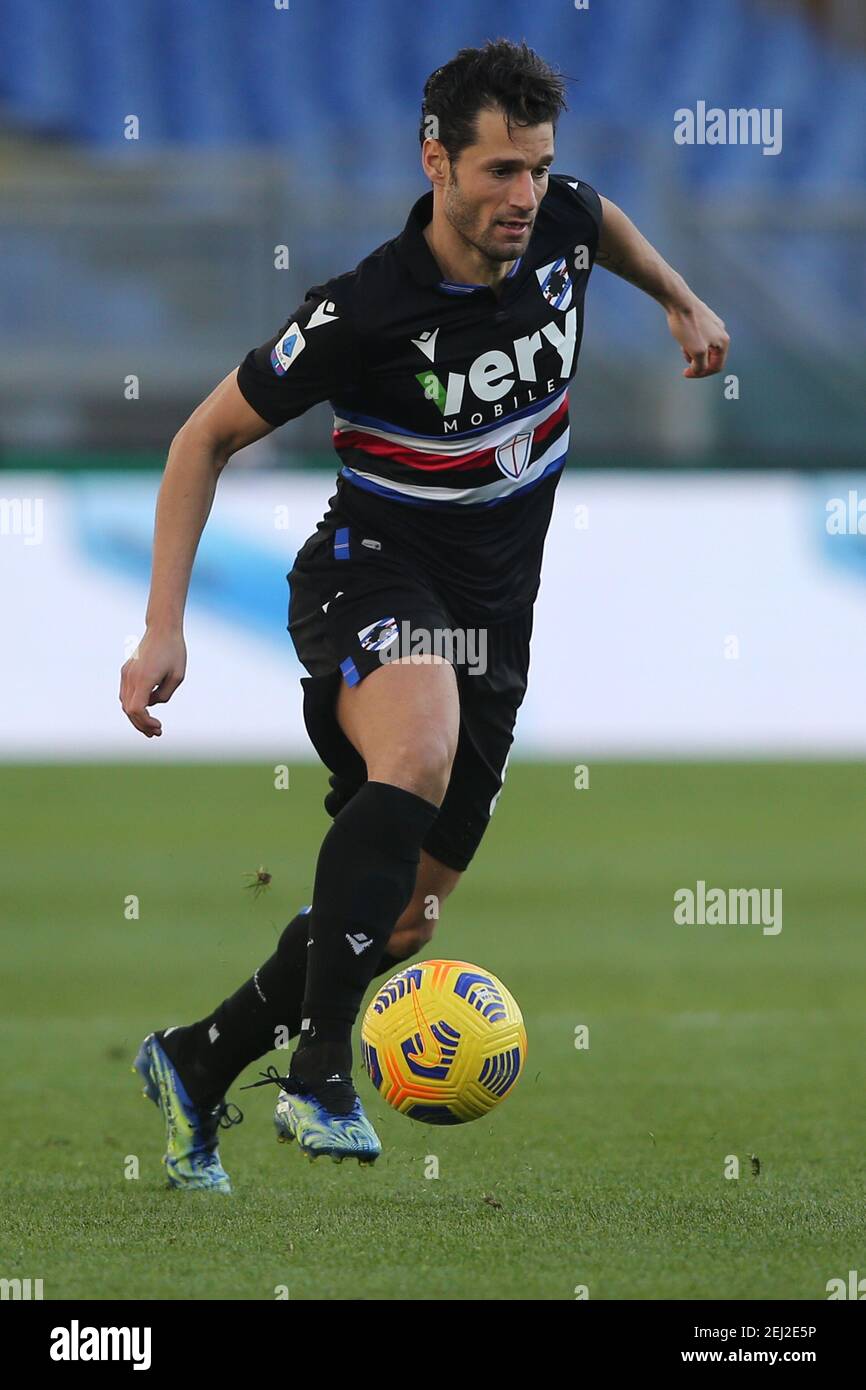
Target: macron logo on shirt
{"points": [[326, 312]]}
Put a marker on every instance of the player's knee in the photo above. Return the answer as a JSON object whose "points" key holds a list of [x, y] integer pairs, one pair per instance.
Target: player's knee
{"points": [[422, 765]]}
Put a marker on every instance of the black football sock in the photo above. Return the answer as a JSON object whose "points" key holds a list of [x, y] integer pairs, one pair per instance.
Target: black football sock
{"points": [[210, 1054], [389, 965], [365, 876]]}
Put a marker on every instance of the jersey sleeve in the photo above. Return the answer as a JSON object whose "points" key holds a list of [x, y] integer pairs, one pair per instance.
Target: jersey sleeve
{"points": [[583, 196], [311, 359]]}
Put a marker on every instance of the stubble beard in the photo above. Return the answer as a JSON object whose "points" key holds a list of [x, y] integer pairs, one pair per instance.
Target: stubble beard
{"points": [[464, 219]]}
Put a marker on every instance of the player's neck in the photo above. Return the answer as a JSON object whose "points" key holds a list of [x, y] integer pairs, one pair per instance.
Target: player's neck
{"points": [[461, 263]]}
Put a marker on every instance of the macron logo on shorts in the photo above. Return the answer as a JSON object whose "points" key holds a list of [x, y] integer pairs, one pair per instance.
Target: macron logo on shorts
{"points": [[359, 942]]}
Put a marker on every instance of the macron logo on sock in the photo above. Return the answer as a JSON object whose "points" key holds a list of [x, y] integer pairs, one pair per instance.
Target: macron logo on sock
{"points": [[359, 942]]}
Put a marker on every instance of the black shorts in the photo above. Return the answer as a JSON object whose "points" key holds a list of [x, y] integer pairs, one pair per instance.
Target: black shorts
{"points": [[353, 606]]}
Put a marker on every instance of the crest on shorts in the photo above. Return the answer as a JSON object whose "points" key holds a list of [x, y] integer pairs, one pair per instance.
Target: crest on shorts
{"points": [[378, 635], [555, 283], [512, 458]]}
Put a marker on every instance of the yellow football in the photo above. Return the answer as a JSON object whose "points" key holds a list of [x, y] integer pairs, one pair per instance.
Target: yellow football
{"points": [[443, 1041]]}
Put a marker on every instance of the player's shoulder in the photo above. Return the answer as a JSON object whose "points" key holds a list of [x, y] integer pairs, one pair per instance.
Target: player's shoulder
{"points": [[332, 299], [572, 204], [357, 296]]}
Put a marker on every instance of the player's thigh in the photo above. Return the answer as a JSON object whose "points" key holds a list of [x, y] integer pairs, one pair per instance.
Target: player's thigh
{"points": [[404, 720]]}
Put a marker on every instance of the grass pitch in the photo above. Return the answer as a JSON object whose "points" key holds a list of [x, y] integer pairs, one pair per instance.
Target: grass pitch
{"points": [[604, 1168]]}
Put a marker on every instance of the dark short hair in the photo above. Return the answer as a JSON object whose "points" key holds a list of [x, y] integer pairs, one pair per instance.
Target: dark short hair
{"points": [[502, 76]]}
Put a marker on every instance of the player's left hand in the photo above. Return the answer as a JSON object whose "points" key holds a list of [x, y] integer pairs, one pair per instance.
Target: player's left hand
{"points": [[702, 336]]}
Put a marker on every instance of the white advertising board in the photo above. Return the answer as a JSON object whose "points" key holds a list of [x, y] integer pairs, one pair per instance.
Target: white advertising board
{"points": [[680, 615]]}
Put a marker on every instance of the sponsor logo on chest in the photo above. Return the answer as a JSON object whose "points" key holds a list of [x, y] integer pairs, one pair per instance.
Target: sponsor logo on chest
{"points": [[493, 374]]}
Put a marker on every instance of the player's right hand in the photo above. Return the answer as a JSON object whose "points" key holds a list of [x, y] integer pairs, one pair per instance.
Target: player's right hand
{"points": [[150, 677]]}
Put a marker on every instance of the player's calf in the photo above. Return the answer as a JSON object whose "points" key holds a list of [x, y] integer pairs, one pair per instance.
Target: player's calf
{"points": [[415, 927], [365, 877]]}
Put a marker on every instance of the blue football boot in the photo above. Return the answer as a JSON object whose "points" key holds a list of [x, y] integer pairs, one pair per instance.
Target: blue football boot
{"points": [[192, 1155], [327, 1119]]}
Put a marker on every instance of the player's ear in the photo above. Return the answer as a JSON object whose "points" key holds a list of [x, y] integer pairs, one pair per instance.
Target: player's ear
{"points": [[434, 160]]}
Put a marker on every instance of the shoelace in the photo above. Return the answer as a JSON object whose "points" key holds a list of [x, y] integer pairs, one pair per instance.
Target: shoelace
{"points": [[225, 1117], [340, 1092], [270, 1077], [222, 1116]]}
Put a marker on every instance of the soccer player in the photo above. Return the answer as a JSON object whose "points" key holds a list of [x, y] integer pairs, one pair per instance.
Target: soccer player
{"points": [[446, 356]]}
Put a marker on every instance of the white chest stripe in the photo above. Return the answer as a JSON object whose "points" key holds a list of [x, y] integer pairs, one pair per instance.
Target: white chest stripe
{"points": [[501, 488]]}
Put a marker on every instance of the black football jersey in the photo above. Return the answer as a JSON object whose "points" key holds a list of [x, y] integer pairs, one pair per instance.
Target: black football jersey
{"points": [[450, 401]]}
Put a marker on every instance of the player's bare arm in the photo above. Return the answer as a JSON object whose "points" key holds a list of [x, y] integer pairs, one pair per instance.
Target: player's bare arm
{"points": [[700, 332], [221, 425]]}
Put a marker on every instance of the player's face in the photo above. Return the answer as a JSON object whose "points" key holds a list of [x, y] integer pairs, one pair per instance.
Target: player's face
{"points": [[493, 192]]}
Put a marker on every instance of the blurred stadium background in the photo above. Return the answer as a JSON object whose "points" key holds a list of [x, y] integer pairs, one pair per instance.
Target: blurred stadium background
{"points": [[694, 605], [154, 258]]}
